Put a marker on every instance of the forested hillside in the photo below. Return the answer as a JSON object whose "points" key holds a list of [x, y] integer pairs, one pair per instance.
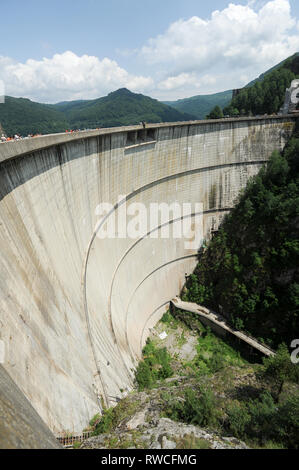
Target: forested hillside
{"points": [[266, 95], [120, 108], [201, 105], [250, 269], [22, 116]]}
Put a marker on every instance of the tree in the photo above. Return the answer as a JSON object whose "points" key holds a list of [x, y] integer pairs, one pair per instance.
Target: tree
{"points": [[279, 369], [216, 113], [266, 95], [252, 271]]}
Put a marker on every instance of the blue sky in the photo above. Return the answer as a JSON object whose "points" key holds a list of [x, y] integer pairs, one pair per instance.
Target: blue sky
{"points": [[168, 49], [95, 27]]}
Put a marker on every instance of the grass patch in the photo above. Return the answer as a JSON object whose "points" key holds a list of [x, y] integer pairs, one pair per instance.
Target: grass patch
{"points": [[77, 445], [112, 417]]}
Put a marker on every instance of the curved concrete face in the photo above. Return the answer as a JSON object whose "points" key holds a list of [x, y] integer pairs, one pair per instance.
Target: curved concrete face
{"points": [[76, 307]]}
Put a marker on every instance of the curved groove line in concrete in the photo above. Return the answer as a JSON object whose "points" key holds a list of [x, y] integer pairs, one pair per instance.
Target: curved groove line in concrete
{"points": [[209, 211], [119, 204], [150, 316], [85, 307], [147, 277]]}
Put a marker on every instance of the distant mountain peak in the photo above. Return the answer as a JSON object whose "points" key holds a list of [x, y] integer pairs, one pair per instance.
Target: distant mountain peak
{"points": [[121, 91], [120, 108]]}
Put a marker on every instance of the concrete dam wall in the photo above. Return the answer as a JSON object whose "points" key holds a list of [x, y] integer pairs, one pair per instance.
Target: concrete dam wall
{"points": [[76, 308]]}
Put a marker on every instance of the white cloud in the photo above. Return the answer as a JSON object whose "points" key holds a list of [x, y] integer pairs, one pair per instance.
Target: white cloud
{"points": [[66, 77], [237, 41], [179, 81], [193, 56]]}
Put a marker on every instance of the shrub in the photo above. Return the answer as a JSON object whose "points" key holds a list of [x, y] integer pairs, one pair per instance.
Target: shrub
{"points": [[167, 318], [238, 418], [155, 366], [194, 408], [287, 422], [262, 412], [279, 369], [77, 445], [106, 422], [144, 376], [112, 417], [95, 420], [263, 421]]}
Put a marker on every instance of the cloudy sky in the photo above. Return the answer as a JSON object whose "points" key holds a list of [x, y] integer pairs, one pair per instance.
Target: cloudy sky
{"points": [[167, 49]]}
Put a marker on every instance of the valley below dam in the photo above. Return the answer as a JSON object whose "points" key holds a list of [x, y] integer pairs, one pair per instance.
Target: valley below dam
{"points": [[76, 308]]}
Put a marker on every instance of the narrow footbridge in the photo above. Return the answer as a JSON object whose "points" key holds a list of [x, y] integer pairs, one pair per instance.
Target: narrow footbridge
{"points": [[220, 321]]}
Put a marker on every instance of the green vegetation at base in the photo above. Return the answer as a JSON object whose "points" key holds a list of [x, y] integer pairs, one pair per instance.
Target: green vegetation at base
{"points": [[76, 445], [252, 273], [279, 369], [155, 366], [270, 420], [262, 421], [196, 407], [258, 403], [272, 417], [214, 354], [111, 417]]}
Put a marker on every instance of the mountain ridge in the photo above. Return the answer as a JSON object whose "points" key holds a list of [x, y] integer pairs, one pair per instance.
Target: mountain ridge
{"points": [[119, 108], [201, 105]]}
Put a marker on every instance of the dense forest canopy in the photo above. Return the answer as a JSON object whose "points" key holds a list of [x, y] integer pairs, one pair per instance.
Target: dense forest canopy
{"points": [[266, 94], [252, 273], [201, 105], [120, 108], [22, 116]]}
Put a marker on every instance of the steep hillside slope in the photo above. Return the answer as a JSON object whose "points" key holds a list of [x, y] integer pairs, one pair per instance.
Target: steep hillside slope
{"points": [[198, 391], [201, 105], [22, 116], [119, 108], [266, 95], [252, 273], [277, 66]]}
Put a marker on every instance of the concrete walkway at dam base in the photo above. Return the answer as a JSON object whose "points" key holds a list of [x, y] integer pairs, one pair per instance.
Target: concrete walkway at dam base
{"points": [[215, 319]]}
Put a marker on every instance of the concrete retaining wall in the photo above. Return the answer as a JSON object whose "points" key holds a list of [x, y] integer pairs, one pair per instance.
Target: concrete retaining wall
{"points": [[75, 310]]}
